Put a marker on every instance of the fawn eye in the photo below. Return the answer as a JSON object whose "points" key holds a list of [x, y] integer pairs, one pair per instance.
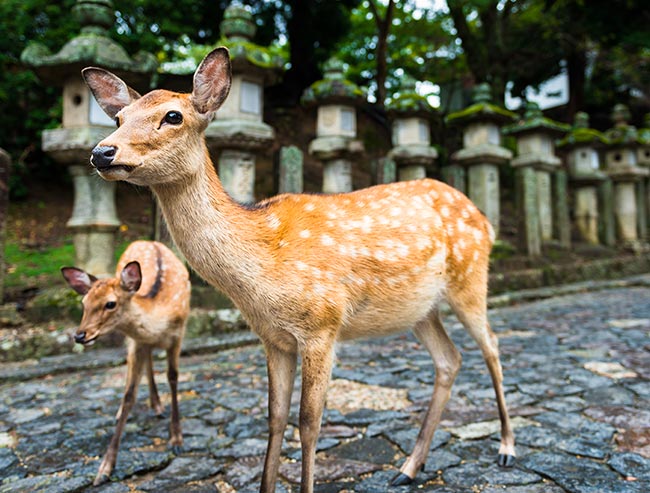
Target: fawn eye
{"points": [[117, 122], [173, 118], [110, 305]]}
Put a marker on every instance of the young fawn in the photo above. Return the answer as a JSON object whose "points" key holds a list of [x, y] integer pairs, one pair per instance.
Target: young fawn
{"points": [[307, 271], [148, 301]]}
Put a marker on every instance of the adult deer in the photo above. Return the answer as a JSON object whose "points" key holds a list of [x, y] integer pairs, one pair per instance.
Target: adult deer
{"points": [[308, 270], [148, 301]]}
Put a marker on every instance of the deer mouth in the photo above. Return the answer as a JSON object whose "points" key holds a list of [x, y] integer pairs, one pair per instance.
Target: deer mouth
{"points": [[114, 167]]}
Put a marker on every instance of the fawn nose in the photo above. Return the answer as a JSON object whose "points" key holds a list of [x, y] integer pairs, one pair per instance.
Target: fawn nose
{"points": [[79, 337], [102, 156]]}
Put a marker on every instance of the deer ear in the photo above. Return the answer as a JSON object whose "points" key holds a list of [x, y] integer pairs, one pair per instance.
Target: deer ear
{"points": [[131, 277], [78, 280], [212, 82], [109, 90]]}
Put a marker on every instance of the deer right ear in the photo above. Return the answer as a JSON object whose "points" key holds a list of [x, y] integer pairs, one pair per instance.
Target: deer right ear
{"points": [[78, 280], [109, 90], [212, 82]]}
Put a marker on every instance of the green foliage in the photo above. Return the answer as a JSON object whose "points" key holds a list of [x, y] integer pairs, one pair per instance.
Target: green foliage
{"points": [[36, 267]]}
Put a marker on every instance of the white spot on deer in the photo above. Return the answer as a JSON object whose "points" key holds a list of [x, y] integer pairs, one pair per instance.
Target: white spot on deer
{"points": [[309, 206], [395, 211], [444, 210], [475, 256], [327, 240], [402, 250], [305, 233], [465, 213], [450, 229], [301, 265], [460, 224], [423, 243], [395, 223], [343, 250], [366, 224], [319, 289], [478, 235], [273, 221], [365, 251], [458, 254], [316, 272], [411, 227], [380, 255], [449, 197], [383, 220]]}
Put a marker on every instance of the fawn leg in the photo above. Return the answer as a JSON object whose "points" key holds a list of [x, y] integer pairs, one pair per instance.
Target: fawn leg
{"points": [[447, 361], [136, 363], [175, 433], [281, 366], [154, 399]]}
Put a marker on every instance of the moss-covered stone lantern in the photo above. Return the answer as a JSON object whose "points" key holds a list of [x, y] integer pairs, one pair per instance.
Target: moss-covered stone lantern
{"points": [[238, 132], [336, 125], [482, 153], [580, 148], [411, 114], [621, 159], [536, 137], [94, 219], [643, 157]]}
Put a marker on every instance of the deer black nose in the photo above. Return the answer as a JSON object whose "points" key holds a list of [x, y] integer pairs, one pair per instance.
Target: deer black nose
{"points": [[80, 337], [102, 156]]}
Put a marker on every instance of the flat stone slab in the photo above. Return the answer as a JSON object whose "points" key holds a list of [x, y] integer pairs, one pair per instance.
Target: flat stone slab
{"points": [[576, 375]]}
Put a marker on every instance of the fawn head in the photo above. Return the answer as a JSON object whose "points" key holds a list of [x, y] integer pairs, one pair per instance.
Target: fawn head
{"points": [[159, 138], [106, 302]]}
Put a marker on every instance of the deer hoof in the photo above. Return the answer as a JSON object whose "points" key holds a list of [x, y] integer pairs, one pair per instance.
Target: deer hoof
{"points": [[505, 460], [401, 479], [100, 479]]}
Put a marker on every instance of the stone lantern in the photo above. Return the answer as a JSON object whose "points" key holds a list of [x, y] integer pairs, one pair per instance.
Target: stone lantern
{"points": [[482, 153], [94, 219], [238, 131], [621, 156], [412, 150], [643, 157], [536, 151], [336, 126], [580, 148]]}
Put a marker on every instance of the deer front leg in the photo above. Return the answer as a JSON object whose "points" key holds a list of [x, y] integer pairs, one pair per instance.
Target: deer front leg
{"points": [[175, 433], [281, 371], [317, 359], [154, 399], [136, 363]]}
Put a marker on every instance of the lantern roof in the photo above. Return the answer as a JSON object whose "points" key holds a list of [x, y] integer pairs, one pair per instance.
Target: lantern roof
{"points": [[622, 134], [581, 135], [534, 121], [483, 109], [333, 88], [407, 102], [91, 47]]}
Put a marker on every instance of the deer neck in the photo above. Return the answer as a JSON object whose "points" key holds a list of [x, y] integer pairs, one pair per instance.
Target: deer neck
{"points": [[222, 241]]}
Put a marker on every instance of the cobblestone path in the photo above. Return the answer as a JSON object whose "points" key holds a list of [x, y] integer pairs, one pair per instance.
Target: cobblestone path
{"points": [[577, 377]]}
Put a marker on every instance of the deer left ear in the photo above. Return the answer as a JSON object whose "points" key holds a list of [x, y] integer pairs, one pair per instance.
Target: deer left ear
{"points": [[131, 277]]}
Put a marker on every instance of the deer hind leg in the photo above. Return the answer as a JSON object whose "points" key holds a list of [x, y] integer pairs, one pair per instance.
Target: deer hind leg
{"points": [[136, 360], [471, 310], [447, 361], [175, 433], [154, 398], [281, 372]]}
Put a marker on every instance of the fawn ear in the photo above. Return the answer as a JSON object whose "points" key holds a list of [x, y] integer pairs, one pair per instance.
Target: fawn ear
{"points": [[212, 82], [78, 280], [109, 90], [131, 277]]}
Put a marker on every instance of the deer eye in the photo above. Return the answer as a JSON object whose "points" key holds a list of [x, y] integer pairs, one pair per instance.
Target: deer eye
{"points": [[173, 118], [110, 305], [117, 122]]}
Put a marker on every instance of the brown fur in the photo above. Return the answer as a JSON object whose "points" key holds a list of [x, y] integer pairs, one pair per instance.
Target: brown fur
{"points": [[308, 270]]}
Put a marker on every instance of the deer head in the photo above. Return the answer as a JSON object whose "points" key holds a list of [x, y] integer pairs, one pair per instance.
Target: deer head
{"points": [[106, 302], [159, 134]]}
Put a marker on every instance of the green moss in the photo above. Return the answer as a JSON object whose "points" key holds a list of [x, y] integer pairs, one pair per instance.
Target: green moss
{"points": [[582, 136], [40, 267], [480, 111]]}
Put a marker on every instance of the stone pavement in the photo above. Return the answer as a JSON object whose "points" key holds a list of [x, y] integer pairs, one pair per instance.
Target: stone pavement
{"points": [[577, 377]]}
